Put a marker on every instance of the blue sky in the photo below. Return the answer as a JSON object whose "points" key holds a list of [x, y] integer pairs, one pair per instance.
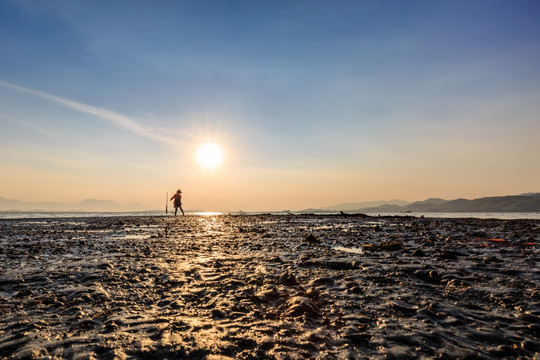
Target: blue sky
{"points": [[313, 102]]}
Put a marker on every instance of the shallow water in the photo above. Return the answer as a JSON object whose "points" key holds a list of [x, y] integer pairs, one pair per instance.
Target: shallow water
{"points": [[260, 287], [74, 214]]}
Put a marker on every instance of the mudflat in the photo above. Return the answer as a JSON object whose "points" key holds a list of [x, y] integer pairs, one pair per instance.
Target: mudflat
{"points": [[269, 287]]}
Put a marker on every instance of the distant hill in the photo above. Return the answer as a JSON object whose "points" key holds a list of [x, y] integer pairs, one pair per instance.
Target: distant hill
{"points": [[517, 203], [511, 203], [85, 205], [529, 202], [362, 205], [358, 206]]}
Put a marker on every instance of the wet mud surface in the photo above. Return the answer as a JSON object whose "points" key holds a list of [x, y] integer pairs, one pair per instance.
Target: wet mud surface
{"points": [[269, 287]]}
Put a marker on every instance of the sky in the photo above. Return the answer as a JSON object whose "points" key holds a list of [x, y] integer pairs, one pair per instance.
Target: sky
{"points": [[313, 103]]}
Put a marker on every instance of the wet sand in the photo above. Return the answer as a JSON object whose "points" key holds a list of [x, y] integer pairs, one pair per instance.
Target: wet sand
{"points": [[269, 287]]}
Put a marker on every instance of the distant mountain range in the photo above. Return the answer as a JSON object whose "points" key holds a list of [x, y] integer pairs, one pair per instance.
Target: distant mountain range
{"points": [[87, 205], [364, 205], [511, 203]]}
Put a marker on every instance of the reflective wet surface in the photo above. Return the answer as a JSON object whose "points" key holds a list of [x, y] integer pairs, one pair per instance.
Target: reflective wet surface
{"points": [[269, 287]]}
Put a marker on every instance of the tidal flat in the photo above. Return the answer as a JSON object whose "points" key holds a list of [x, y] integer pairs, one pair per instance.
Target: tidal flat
{"points": [[269, 287]]}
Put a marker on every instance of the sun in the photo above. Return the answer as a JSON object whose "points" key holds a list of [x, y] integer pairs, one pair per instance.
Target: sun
{"points": [[209, 156]]}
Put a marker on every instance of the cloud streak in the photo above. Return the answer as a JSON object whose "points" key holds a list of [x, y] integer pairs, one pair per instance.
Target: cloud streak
{"points": [[28, 125], [112, 117]]}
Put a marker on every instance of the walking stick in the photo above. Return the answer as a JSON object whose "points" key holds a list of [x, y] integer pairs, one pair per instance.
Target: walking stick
{"points": [[167, 203]]}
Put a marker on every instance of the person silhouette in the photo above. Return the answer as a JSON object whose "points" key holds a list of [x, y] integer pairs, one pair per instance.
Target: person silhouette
{"points": [[177, 202]]}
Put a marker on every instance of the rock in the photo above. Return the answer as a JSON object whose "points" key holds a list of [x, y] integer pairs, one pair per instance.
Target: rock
{"points": [[313, 293], [418, 253], [288, 279], [491, 259], [300, 305], [110, 326], [217, 314], [369, 247], [391, 245], [323, 281], [270, 295], [534, 329], [430, 276], [311, 239], [403, 306], [356, 336], [354, 289], [530, 345], [276, 259]]}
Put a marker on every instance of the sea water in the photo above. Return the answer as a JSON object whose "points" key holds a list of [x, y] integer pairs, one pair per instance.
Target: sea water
{"points": [[70, 214]]}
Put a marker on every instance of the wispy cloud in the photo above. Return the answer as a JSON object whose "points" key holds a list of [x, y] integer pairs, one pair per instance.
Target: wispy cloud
{"points": [[119, 120], [28, 125]]}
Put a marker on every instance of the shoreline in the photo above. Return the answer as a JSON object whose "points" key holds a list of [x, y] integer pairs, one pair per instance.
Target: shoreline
{"points": [[430, 215]]}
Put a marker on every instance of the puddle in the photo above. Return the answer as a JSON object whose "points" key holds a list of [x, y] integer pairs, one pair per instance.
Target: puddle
{"points": [[349, 250]]}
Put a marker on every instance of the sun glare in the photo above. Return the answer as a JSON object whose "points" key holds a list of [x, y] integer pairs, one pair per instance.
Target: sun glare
{"points": [[209, 156]]}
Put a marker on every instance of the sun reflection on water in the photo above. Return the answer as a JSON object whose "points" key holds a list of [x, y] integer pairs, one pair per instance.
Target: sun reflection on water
{"points": [[207, 213]]}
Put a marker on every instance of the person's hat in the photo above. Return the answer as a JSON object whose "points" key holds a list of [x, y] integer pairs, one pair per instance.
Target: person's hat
{"points": [[179, 191]]}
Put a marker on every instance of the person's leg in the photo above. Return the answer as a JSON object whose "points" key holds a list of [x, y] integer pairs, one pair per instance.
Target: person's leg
{"points": [[182, 211], [175, 210]]}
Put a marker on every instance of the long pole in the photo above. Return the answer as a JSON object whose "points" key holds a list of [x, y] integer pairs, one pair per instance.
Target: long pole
{"points": [[167, 203]]}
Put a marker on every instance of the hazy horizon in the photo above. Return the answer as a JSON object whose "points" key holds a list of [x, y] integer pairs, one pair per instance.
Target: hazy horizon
{"points": [[310, 103], [106, 205]]}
